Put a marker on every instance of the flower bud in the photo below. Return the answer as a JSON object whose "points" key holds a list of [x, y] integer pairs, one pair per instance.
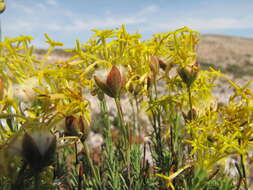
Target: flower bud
{"points": [[113, 84], [76, 127], [38, 149], [113, 81], [71, 124]]}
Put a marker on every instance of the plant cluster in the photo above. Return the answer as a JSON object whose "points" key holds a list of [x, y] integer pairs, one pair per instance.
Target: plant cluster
{"points": [[45, 116]]}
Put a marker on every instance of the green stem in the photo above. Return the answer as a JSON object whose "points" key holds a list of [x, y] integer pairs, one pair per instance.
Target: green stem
{"points": [[87, 152], [244, 172], [121, 120], [243, 168], [120, 113], [105, 113], [126, 132], [190, 100]]}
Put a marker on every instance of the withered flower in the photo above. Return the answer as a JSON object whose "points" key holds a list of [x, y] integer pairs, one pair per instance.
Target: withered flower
{"points": [[113, 84], [191, 115], [188, 74], [154, 65], [76, 127], [38, 149], [70, 124], [157, 63], [162, 64]]}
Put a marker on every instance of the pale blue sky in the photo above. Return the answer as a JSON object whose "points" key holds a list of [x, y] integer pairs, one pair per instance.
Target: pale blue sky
{"points": [[68, 20]]}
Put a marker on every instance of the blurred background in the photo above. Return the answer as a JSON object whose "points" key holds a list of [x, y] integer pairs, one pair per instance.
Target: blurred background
{"points": [[66, 20]]}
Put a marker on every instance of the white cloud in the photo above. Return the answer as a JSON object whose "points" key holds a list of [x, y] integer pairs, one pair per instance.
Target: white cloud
{"points": [[200, 24], [220, 23], [148, 10], [41, 6], [72, 21], [81, 24], [52, 2], [19, 6]]}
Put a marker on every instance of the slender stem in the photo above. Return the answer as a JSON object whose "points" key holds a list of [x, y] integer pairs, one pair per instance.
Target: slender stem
{"points": [[239, 184], [80, 177], [155, 85], [134, 115], [37, 181], [172, 140], [125, 130], [191, 111], [76, 153], [121, 120], [137, 114], [244, 172], [120, 113], [157, 116], [243, 168], [19, 177], [190, 100], [87, 151]]}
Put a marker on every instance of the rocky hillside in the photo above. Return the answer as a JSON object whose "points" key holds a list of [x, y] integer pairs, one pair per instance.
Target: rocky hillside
{"points": [[232, 55]]}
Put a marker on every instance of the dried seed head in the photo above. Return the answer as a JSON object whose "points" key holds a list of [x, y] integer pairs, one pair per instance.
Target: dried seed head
{"points": [[191, 115], [188, 74], [154, 65], [38, 149], [162, 64], [71, 126], [76, 127]]}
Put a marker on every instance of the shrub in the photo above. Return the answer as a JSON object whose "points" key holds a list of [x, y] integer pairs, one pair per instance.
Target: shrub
{"points": [[46, 116]]}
